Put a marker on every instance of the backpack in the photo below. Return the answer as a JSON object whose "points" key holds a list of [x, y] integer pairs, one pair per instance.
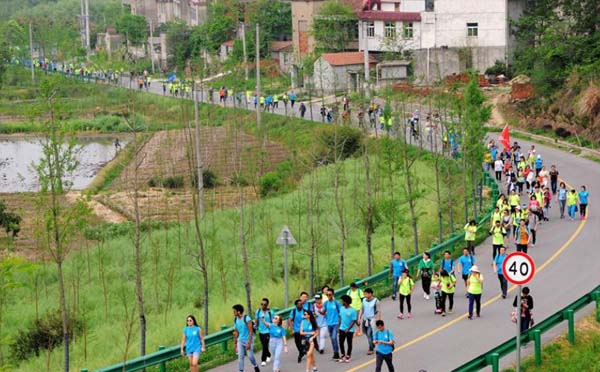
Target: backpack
{"points": [[246, 319], [268, 317]]}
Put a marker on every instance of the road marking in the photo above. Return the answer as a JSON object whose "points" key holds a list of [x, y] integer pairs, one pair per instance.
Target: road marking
{"points": [[489, 302]]}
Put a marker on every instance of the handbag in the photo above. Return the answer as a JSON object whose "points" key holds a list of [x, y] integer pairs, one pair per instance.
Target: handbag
{"points": [[513, 316]]}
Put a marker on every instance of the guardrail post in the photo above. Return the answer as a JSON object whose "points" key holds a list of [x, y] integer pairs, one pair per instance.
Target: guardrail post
{"points": [[596, 297], [537, 338], [163, 366], [494, 360], [570, 316], [224, 343]]}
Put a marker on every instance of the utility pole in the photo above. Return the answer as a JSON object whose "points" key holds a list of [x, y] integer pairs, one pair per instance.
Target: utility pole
{"points": [[199, 180], [87, 29], [244, 47], [82, 24], [258, 94], [366, 57], [151, 42], [31, 52]]}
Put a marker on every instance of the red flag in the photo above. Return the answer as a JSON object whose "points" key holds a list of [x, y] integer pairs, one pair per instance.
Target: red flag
{"points": [[505, 137]]}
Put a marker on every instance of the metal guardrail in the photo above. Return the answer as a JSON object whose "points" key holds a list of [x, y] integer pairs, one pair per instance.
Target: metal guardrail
{"points": [[492, 357], [220, 338]]}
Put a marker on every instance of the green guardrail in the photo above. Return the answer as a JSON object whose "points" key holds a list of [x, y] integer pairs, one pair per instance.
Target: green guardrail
{"points": [[492, 357], [164, 355]]}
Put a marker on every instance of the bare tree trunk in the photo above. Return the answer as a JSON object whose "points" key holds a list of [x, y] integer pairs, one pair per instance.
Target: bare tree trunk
{"points": [[64, 315], [138, 257]]}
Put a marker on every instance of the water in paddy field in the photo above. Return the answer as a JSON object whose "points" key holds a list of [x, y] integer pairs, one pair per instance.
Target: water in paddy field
{"points": [[19, 154]]}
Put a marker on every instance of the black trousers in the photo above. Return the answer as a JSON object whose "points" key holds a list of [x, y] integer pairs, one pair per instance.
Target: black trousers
{"points": [[401, 302], [426, 282], [503, 284], [380, 358], [522, 248], [298, 342], [495, 250], [450, 297], [346, 336], [264, 341]]}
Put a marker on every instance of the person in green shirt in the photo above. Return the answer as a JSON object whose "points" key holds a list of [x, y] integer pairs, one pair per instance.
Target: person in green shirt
{"points": [[425, 271], [406, 286], [356, 294], [475, 289], [498, 232], [470, 233], [448, 289], [572, 203]]}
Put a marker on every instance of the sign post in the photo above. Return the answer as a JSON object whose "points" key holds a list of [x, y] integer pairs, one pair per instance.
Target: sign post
{"points": [[518, 268], [285, 238]]}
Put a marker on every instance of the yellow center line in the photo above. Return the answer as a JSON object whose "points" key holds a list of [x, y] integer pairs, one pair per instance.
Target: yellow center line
{"points": [[485, 304]]}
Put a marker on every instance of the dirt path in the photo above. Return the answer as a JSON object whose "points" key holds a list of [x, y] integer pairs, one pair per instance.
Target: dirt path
{"points": [[497, 117], [99, 209]]}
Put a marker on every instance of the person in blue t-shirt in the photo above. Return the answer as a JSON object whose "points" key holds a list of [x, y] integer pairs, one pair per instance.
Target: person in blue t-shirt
{"points": [[243, 336], [384, 341], [294, 322], [498, 261], [331, 309], [583, 202], [562, 199], [264, 314], [277, 341], [397, 266], [348, 317], [465, 262], [310, 332], [193, 340], [447, 263]]}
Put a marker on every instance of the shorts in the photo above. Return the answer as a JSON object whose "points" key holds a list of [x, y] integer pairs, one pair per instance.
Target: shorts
{"points": [[193, 354], [465, 276]]}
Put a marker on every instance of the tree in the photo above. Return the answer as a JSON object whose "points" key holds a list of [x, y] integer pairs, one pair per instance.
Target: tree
{"points": [[178, 41], [274, 17], [134, 27], [62, 222], [10, 221], [334, 27], [218, 28]]}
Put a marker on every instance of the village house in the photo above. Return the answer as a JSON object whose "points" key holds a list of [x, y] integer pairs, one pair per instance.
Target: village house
{"points": [[338, 72]]}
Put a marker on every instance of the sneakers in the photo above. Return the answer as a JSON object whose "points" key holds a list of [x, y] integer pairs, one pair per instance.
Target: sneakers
{"points": [[427, 297], [400, 316], [299, 358], [450, 311], [336, 357], [256, 369], [321, 351], [268, 359], [393, 297], [342, 358], [443, 313], [409, 315], [346, 359], [263, 364]]}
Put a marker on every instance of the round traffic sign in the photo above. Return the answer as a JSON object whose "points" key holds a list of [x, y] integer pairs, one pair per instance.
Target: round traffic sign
{"points": [[518, 268]]}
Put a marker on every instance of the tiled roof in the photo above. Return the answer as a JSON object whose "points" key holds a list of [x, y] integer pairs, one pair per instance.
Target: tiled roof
{"points": [[277, 46], [347, 58], [375, 15]]}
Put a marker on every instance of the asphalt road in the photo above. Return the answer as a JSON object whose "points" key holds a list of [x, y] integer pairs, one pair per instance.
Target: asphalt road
{"points": [[567, 257]]}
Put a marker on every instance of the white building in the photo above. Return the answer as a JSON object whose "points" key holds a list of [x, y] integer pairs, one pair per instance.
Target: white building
{"points": [[446, 36]]}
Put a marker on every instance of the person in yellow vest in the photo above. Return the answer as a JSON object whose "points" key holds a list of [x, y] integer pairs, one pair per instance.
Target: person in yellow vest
{"points": [[475, 290], [572, 198], [275, 100], [381, 121], [513, 200], [496, 216], [262, 102], [356, 294], [470, 233], [406, 286], [448, 288], [498, 233]]}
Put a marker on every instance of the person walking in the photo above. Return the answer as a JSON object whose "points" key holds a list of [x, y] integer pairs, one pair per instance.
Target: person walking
{"points": [[193, 342], [448, 289], [533, 224], [243, 335], [524, 309], [583, 202], [406, 286], [498, 261], [425, 271], [331, 310], [397, 266], [562, 199], [522, 236], [554, 179], [356, 294], [470, 234], [498, 233], [264, 314], [309, 332], [302, 109], [321, 321], [475, 289], [447, 263], [348, 317], [498, 167], [465, 263], [572, 204], [368, 314], [294, 323], [277, 340], [384, 341]]}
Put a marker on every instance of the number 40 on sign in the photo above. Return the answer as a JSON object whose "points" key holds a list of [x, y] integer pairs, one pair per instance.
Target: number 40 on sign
{"points": [[518, 268]]}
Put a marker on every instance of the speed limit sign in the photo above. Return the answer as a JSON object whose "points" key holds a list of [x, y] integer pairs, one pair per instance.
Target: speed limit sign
{"points": [[518, 268]]}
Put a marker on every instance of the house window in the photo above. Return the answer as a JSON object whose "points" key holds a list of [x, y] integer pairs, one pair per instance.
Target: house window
{"points": [[408, 30], [396, 7], [472, 29], [370, 29], [390, 30]]}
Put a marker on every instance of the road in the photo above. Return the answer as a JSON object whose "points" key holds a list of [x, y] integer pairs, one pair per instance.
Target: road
{"points": [[567, 259]]}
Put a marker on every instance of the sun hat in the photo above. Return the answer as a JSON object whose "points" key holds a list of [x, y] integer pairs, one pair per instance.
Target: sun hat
{"points": [[475, 269]]}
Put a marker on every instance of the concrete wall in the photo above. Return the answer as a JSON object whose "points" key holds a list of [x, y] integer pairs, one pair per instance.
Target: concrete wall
{"points": [[303, 12], [379, 43], [392, 72], [334, 78]]}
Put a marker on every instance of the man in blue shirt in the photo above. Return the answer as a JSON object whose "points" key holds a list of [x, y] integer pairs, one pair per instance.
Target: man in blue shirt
{"points": [[243, 336], [465, 262], [384, 340], [331, 310], [583, 202], [447, 263], [294, 322], [368, 314], [348, 318], [498, 261], [264, 314], [397, 266]]}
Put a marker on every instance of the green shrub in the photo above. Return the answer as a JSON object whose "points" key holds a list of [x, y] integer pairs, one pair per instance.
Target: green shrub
{"points": [[270, 184], [45, 333], [173, 182], [209, 179], [346, 140], [155, 182]]}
